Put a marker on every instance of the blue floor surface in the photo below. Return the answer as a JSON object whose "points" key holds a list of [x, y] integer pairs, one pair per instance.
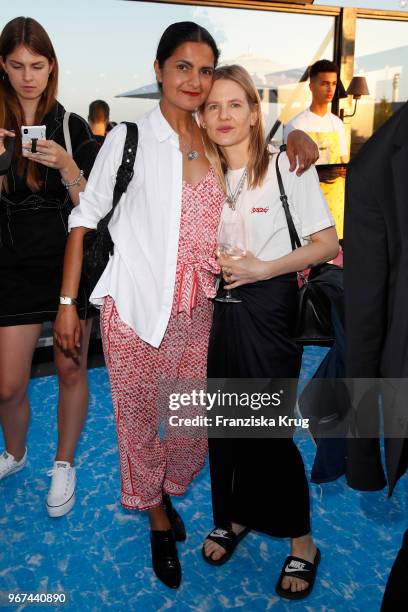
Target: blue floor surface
{"points": [[99, 553]]}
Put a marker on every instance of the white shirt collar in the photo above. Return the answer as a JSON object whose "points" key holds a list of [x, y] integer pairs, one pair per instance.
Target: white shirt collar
{"points": [[161, 127]]}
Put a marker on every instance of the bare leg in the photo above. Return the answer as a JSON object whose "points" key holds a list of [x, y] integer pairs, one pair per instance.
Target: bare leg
{"points": [[214, 550], [17, 345], [73, 396], [158, 519], [304, 548]]}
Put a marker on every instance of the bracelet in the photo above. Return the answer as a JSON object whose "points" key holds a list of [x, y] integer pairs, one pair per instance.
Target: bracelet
{"points": [[68, 184], [67, 301]]}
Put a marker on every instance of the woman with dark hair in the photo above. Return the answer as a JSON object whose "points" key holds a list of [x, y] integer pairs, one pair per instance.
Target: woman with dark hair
{"points": [[38, 188], [253, 338], [155, 291]]}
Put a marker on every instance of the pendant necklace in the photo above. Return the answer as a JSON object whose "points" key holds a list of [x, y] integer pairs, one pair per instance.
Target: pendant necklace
{"points": [[232, 198], [191, 153]]}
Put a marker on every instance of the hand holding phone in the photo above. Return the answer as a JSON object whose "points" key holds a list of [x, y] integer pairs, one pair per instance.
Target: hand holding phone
{"points": [[30, 134]]}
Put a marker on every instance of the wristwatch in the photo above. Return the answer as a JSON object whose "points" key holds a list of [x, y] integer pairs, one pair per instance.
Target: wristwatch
{"points": [[67, 301]]}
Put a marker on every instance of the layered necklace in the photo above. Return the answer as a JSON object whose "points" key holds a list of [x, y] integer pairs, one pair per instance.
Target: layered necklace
{"points": [[232, 197]]}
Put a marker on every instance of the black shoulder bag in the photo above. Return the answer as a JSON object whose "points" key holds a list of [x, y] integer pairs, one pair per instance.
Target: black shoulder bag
{"points": [[98, 244], [314, 324]]}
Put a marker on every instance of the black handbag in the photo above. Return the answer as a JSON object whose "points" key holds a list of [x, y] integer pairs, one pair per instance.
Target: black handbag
{"points": [[317, 292], [98, 244]]}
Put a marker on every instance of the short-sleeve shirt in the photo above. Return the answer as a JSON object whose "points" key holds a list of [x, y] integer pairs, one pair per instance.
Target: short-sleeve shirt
{"points": [[315, 124], [265, 222]]}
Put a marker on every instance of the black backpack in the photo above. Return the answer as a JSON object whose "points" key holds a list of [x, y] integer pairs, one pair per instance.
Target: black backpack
{"points": [[98, 244]]}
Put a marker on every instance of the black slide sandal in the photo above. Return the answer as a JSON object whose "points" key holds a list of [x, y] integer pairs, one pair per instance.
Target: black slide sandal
{"points": [[295, 567], [227, 539]]}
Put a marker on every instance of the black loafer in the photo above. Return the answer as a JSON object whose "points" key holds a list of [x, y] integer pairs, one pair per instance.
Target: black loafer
{"points": [[165, 562], [175, 519]]}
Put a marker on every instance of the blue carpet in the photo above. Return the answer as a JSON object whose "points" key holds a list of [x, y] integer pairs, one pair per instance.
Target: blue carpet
{"points": [[99, 554]]}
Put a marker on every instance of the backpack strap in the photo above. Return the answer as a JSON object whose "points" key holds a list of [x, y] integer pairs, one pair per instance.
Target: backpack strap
{"points": [[67, 135], [294, 237], [126, 169]]}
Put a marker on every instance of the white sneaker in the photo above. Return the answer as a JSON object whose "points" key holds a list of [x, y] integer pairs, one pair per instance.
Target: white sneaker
{"points": [[61, 496], [8, 465]]}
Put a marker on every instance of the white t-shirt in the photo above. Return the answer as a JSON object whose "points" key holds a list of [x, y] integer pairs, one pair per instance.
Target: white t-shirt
{"points": [[310, 122], [266, 228]]}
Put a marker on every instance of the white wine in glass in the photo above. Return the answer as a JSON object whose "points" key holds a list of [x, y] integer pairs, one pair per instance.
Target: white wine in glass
{"points": [[231, 242]]}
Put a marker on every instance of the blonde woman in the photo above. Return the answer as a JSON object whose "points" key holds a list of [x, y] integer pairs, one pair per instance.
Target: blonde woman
{"points": [[155, 291], [252, 338]]}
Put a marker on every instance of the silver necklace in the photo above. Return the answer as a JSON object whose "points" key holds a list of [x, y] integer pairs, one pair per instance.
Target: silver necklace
{"points": [[191, 153], [232, 198]]}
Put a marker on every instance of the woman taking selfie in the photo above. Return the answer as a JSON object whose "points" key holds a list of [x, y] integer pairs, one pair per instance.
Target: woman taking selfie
{"points": [[252, 337], [155, 291], [39, 184]]}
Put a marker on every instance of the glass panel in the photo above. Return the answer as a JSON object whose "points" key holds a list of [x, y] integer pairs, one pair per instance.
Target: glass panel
{"points": [[110, 51], [381, 55], [385, 5]]}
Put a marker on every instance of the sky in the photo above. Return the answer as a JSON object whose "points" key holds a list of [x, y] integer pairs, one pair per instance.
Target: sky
{"points": [[106, 47]]}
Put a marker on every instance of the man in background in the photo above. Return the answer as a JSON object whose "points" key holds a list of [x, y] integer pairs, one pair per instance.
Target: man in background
{"points": [[327, 131], [322, 402], [98, 119]]}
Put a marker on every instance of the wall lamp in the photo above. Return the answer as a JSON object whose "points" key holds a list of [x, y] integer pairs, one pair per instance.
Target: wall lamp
{"points": [[357, 88]]}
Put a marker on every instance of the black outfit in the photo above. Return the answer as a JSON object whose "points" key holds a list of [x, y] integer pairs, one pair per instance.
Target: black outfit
{"points": [[326, 404], [376, 292], [34, 229], [252, 339], [99, 140], [396, 591]]}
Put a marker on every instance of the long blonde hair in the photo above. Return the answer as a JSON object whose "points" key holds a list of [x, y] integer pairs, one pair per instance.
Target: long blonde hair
{"points": [[258, 152]]}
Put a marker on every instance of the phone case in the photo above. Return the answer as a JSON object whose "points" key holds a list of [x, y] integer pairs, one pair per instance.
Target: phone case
{"points": [[28, 132]]}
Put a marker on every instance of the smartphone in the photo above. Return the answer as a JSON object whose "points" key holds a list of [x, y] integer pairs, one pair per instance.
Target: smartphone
{"points": [[30, 132]]}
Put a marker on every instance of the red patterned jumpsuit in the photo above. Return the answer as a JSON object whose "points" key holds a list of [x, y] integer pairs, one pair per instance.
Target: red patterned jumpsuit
{"points": [[150, 465]]}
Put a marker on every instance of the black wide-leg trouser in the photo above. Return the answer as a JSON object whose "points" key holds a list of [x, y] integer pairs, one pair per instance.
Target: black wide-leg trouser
{"points": [[258, 482]]}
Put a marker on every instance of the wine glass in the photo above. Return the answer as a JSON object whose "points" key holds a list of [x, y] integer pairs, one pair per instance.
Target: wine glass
{"points": [[232, 242]]}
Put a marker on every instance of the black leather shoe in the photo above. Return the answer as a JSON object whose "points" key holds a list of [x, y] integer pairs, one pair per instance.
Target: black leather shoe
{"points": [[175, 519], [165, 562]]}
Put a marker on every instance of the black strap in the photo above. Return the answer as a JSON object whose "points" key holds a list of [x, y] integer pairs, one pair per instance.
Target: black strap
{"points": [[294, 237], [301, 569], [126, 169], [227, 541]]}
